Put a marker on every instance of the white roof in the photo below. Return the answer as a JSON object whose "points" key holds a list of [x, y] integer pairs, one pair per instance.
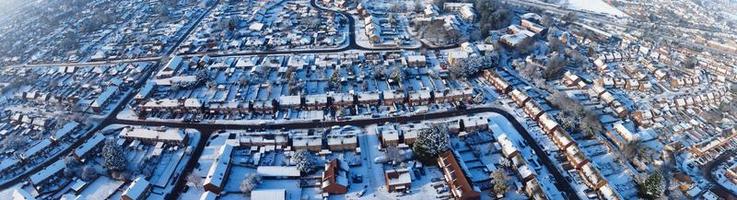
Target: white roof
{"points": [[47, 172], [21, 194], [278, 171], [170, 134], [89, 144], [109, 92], [65, 130], [216, 174], [137, 188], [403, 178], [272, 194], [35, 149], [208, 196]]}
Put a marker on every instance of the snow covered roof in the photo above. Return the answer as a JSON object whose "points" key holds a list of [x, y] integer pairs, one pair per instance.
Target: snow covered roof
{"points": [[216, 174], [145, 91], [272, 194], [397, 177], [306, 141], [508, 148], [7, 163], [65, 130], [47, 172], [89, 144], [624, 132], [35, 149], [278, 171], [168, 135], [105, 96], [208, 196], [21, 194], [336, 172], [192, 103], [137, 189], [456, 178], [162, 103]]}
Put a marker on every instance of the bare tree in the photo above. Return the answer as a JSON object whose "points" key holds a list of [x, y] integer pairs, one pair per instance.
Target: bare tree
{"points": [[195, 180], [591, 125], [250, 183], [89, 172], [554, 67], [499, 180], [393, 154]]}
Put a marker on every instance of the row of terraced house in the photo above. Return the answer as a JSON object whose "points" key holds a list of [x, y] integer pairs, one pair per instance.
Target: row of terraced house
{"points": [[563, 141]]}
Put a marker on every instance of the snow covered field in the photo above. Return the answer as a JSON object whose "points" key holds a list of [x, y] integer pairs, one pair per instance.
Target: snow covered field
{"points": [[597, 6]]}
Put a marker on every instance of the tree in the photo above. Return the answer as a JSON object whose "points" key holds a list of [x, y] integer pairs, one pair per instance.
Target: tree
{"points": [[334, 82], [312, 23], [547, 21], [113, 156], [591, 125], [418, 6], [88, 173], [652, 187], [378, 72], [632, 149], [499, 180], [439, 3], [570, 17], [396, 75], [202, 76], [195, 180], [70, 40], [249, 183], [430, 143], [304, 160], [470, 67], [529, 71], [492, 16], [71, 166], [554, 67], [555, 44], [690, 62], [393, 154]]}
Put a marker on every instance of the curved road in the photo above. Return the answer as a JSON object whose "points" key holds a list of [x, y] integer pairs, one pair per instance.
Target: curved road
{"points": [[352, 45], [207, 129]]}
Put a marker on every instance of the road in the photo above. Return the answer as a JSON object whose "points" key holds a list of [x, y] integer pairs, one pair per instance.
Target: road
{"points": [[717, 188], [352, 45], [207, 129], [560, 181], [105, 122]]}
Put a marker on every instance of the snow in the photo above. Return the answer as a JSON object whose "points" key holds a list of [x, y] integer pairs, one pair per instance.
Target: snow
{"points": [[101, 188], [47, 172], [137, 189], [217, 172], [278, 171], [597, 6]]}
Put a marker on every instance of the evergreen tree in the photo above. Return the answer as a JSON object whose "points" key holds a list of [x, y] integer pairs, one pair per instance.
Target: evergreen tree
{"points": [[430, 143], [113, 156]]}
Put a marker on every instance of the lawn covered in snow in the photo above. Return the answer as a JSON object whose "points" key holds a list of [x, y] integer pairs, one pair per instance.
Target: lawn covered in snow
{"points": [[597, 6]]}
